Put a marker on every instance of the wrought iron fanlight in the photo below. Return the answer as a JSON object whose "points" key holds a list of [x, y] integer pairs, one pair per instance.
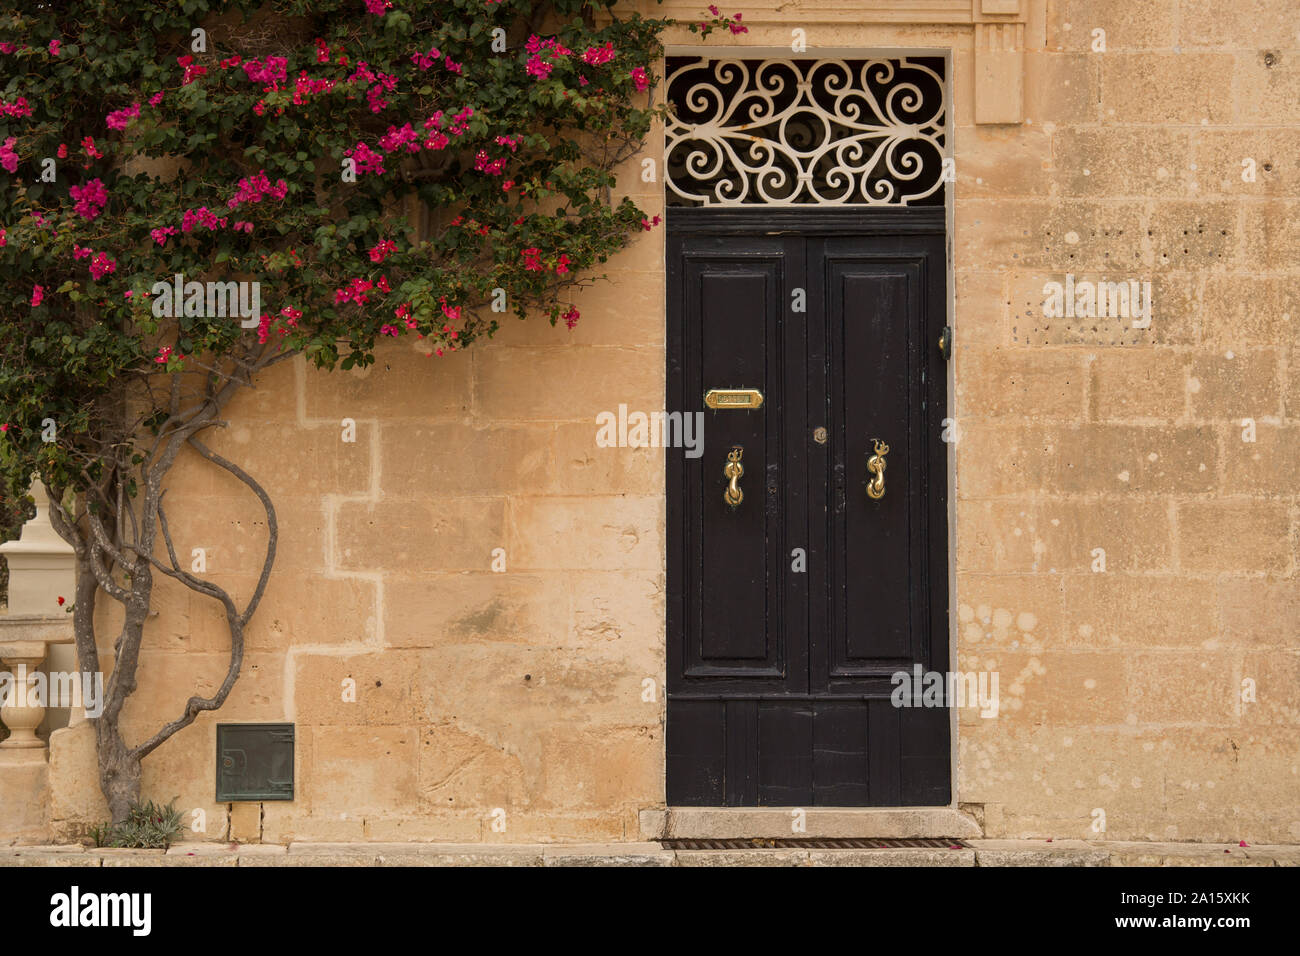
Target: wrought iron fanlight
{"points": [[806, 131]]}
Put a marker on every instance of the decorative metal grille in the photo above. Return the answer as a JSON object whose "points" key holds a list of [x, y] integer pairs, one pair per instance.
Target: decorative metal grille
{"points": [[804, 131]]}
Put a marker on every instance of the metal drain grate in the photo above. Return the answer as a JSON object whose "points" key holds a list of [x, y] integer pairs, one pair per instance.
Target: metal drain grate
{"points": [[815, 843]]}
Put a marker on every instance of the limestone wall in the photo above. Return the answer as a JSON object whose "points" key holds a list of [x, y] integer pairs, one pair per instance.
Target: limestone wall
{"points": [[522, 690]]}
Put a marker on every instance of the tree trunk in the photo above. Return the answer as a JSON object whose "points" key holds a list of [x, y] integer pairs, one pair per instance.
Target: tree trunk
{"points": [[119, 772]]}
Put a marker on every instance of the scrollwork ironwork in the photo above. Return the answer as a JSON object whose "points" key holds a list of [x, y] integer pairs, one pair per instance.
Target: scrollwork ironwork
{"points": [[806, 131]]}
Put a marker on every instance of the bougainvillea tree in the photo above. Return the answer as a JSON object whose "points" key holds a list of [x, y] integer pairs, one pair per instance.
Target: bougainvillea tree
{"points": [[194, 191]]}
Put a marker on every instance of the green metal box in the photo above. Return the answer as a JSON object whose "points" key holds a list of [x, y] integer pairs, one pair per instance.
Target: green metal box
{"points": [[254, 762]]}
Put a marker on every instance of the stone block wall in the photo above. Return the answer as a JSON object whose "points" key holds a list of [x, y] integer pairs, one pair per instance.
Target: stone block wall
{"points": [[524, 690]]}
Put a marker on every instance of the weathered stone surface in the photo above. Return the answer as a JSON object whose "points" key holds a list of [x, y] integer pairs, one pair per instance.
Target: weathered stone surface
{"points": [[24, 796], [1124, 520], [1038, 853], [691, 823], [729, 858], [609, 854]]}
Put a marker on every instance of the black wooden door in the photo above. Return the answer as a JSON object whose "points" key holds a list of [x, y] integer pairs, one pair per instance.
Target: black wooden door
{"points": [[789, 612]]}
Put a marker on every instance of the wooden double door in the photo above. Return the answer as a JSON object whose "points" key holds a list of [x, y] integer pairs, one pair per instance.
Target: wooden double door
{"points": [[810, 340]]}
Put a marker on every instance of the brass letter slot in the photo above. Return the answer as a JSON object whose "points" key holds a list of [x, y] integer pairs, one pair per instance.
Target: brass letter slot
{"points": [[747, 398]]}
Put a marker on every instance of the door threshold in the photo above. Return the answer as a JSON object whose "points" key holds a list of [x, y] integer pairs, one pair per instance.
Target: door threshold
{"points": [[775, 823]]}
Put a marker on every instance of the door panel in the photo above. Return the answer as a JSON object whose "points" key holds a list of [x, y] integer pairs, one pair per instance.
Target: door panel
{"points": [[779, 674], [740, 628]]}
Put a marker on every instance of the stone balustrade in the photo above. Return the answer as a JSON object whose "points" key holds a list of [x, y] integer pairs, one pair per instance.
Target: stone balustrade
{"points": [[35, 629]]}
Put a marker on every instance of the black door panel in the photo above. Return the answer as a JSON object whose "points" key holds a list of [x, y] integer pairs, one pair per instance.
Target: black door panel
{"points": [[779, 679]]}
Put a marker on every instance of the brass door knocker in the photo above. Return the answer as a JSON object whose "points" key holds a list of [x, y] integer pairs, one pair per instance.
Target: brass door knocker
{"points": [[876, 466], [732, 471]]}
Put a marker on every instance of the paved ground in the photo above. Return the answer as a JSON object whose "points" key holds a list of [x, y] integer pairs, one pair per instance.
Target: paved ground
{"points": [[976, 853]]}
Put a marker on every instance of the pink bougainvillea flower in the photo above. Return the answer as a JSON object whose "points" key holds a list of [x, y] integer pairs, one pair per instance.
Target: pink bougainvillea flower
{"points": [[551, 46], [80, 252], [8, 158], [367, 160], [532, 259], [510, 141], [38, 294], [254, 188], [273, 72], [3, 240], [492, 167], [378, 7], [544, 52], [322, 51], [375, 99], [571, 317], [355, 291], [713, 9], [507, 185], [538, 67], [6, 48], [119, 119], [563, 265], [396, 139], [91, 199], [598, 55], [192, 70], [160, 234], [88, 146], [460, 122], [203, 216], [60, 600], [736, 27], [426, 60], [54, 47], [640, 79], [62, 151], [381, 251], [647, 224], [5, 427], [452, 312], [156, 98], [101, 266], [19, 107]]}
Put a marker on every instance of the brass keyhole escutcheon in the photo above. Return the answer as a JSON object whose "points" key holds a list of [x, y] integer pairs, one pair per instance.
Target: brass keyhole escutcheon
{"points": [[732, 471], [876, 466], [819, 435]]}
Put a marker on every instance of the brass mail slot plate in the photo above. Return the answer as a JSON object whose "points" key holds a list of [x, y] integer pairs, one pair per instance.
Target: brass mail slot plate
{"points": [[748, 398]]}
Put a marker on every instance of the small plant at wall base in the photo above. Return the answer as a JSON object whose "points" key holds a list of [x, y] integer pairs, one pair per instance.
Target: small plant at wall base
{"points": [[193, 192], [147, 827]]}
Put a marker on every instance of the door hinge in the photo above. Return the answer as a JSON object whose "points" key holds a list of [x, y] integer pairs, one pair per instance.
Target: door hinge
{"points": [[945, 342]]}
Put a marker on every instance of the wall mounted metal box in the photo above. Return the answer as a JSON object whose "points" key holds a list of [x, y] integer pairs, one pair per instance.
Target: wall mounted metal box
{"points": [[254, 762]]}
